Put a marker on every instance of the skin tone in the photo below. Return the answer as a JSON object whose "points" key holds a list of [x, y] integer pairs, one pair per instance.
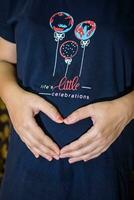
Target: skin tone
{"points": [[109, 117], [18, 100]]}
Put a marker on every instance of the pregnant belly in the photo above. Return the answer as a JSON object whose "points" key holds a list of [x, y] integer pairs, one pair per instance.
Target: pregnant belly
{"points": [[63, 134]]}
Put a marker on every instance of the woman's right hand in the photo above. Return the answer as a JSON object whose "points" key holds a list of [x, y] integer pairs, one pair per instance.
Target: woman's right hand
{"points": [[22, 108]]}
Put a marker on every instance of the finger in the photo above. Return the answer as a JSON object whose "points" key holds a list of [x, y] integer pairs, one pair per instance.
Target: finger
{"points": [[79, 114], [87, 157], [28, 144], [35, 144], [47, 151], [81, 152], [92, 157], [37, 151], [86, 139], [51, 145], [32, 134], [48, 109], [43, 139], [77, 144], [33, 151], [44, 155]]}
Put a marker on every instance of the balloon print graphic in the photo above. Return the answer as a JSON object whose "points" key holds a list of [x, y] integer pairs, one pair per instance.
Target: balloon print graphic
{"points": [[84, 31], [60, 23], [68, 50]]}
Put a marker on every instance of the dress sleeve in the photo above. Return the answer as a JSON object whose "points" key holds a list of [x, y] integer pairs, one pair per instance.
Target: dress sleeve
{"points": [[6, 25]]}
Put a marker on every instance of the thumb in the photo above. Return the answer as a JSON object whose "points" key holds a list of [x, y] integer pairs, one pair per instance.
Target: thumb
{"points": [[79, 114], [50, 110]]}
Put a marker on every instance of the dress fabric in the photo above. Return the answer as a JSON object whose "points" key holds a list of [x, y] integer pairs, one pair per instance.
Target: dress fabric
{"points": [[71, 53]]}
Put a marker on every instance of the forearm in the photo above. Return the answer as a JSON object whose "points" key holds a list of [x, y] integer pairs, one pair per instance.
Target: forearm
{"points": [[8, 81]]}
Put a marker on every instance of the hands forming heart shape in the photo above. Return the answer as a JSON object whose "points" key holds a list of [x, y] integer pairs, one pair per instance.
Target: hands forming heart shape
{"points": [[109, 119]]}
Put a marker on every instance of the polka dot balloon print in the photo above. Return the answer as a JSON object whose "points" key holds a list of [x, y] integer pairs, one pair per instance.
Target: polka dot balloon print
{"points": [[68, 50]]}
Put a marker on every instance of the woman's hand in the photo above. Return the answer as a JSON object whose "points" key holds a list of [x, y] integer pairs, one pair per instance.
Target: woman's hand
{"points": [[109, 119], [22, 108]]}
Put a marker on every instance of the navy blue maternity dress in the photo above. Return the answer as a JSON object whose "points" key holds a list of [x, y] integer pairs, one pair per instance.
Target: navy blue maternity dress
{"points": [[71, 53]]}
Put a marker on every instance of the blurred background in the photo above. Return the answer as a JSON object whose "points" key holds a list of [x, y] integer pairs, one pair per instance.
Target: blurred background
{"points": [[4, 133]]}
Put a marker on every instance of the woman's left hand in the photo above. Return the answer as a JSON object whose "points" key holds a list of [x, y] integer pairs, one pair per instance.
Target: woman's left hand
{"points": [[109, 119]]}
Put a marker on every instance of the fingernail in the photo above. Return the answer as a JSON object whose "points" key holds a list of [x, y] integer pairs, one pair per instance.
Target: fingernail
{"points": [[59, 118], [50, 159], [70, 161], [56, 157], [63, 156]]}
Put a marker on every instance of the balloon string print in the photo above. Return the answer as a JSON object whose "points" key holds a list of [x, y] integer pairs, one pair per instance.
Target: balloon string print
{"points": [[84, 31], [60, 23], [68, 50]]}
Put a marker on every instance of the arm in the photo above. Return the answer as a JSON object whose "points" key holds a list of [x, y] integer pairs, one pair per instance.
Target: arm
{"points": [[18, 100], [128, 102], [7, 68]]}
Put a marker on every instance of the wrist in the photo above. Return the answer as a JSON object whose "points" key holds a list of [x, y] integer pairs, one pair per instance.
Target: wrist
{"points": [[126, 106], [10, 91]]}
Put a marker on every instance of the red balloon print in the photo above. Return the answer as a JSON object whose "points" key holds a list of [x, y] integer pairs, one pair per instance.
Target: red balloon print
{"points": [[60, 23], [84, 31]]}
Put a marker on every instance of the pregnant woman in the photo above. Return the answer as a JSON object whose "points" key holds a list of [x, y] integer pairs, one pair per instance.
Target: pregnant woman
{"points": [[67, 79]]}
